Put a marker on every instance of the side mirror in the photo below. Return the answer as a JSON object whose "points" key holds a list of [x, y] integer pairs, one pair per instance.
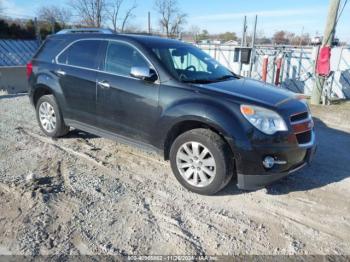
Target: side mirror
{"points": [[143, 73]]}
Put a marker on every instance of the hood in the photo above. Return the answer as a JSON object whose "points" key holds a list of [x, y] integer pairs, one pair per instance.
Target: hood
{"points": [[255, 91]]}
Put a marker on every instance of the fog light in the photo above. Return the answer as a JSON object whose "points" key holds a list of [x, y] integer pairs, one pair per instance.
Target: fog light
{"points": [[269, 162]]}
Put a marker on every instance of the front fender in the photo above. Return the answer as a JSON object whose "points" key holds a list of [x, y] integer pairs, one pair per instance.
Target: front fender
{"points": [[217, 116], [184, 110], [230, 123]]}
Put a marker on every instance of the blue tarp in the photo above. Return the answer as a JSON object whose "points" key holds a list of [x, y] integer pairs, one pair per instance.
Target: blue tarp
{"points": [[17, 52]]}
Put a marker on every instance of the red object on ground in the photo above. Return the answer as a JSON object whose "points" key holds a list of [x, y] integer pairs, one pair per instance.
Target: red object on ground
{"points": [[323, 67], [29, 69], [264, 68], [278, 70]]}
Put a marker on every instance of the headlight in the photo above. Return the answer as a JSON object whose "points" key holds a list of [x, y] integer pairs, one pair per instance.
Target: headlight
{"points": [[267, 121]]}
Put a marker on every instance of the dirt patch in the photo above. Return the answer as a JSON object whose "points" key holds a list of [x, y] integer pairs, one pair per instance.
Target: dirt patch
{"points": [[86, 195]]}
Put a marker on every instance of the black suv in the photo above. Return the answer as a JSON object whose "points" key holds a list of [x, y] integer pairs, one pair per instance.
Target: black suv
{"points": [[170, 96]]}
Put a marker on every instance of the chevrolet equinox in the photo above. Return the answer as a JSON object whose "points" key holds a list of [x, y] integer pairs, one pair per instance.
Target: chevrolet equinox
{"points": [[171, 97]]}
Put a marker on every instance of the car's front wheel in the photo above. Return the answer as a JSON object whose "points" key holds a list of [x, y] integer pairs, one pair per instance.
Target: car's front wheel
{"points": [[49, 117], [201, 161]]}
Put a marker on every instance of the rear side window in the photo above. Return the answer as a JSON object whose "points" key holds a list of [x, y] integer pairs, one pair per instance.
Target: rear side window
{"points": [[83, 53], [49, 49], [121, 57]]}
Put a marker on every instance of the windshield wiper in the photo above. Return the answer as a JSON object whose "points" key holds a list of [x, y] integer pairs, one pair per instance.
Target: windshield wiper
{"points": [[225, 77], [208, 81], [198, 81]]}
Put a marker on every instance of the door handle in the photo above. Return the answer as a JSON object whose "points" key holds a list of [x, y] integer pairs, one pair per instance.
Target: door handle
{"points": [[60, 72], [103, 84]]}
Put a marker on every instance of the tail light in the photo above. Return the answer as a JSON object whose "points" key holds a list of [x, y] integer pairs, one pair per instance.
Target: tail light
{"points": [[29, 69]]}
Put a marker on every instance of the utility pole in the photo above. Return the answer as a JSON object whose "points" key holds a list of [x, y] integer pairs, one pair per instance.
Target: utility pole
{"points": [[328, 38], [242, 42], [53, 25], [149, 23], [252, 55], [37, 30]]}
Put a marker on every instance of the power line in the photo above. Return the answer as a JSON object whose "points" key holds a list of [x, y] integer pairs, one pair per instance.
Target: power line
{"points": [[342, 9], [337, 20]]}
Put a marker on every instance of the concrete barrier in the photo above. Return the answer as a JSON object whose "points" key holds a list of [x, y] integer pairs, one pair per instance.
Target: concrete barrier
{"points": [[13, 79]]}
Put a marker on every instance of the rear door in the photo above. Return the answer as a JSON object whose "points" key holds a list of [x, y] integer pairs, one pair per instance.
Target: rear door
{"points": [[77, 69], [127, 106]]}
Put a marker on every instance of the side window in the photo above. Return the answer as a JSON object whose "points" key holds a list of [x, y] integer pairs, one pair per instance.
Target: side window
{"points": [[83, 53], [121, 57], [48, 49]]}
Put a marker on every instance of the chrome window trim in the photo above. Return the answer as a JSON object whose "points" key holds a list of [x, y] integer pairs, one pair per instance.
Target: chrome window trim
{"points": [[309, 118], [306, 130], [102, 71], [85, 30]]}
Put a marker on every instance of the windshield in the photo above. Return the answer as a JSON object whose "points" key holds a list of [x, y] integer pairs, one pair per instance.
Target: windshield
{"points": [[190, 64]]}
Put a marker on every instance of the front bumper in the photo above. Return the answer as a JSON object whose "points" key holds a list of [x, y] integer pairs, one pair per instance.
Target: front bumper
{"points": [[251, 174]]}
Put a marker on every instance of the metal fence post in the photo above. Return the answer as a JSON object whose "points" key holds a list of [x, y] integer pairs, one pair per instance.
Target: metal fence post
{"points": [[273, 68], [252, 56], [278, 69], [264, 68], [53, 25], [242, 42], [37, 30]]}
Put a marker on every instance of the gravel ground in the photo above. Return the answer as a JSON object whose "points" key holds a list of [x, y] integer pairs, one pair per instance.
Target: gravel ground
{"points": [[87, 195]]}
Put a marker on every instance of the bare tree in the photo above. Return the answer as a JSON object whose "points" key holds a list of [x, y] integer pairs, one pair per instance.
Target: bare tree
{"points": [[171, 18], [288, 38], [280, 38], [53, 13], [194, 31], [134, 29], [177, 23], [114, 14], [128, 14], [91, 12]]}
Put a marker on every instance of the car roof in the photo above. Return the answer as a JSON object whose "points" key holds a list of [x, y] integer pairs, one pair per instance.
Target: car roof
{"points": [[147, 40]]}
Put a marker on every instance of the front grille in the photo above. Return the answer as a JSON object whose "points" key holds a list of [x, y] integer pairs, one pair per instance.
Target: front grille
{"points": [[299, 117], [302, 125], [304, 138]]}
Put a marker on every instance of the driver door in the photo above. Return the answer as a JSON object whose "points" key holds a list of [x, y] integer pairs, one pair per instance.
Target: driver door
{"points": [[126, 105]]}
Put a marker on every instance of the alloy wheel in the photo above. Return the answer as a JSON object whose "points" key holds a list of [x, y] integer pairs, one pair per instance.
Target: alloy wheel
{"points": [[47, 117], [196, 164]]}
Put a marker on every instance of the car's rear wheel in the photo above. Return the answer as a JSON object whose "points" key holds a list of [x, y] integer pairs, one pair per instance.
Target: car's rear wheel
{"points": [[49, 117], [201, 161]]}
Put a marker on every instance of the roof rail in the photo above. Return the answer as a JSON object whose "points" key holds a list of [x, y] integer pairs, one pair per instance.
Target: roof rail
{"points": [[85, 30]]}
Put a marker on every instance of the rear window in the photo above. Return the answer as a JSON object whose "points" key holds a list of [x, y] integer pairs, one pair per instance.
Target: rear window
{"points": [[83, 53], [49, 49]]}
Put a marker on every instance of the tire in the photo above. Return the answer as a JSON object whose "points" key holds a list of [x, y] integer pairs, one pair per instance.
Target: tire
{"points": [[55, 126], [213, 176]]}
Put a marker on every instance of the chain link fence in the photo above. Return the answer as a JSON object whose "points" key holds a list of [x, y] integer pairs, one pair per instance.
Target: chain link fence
{"points": [[297, 69], [17, 52]]}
